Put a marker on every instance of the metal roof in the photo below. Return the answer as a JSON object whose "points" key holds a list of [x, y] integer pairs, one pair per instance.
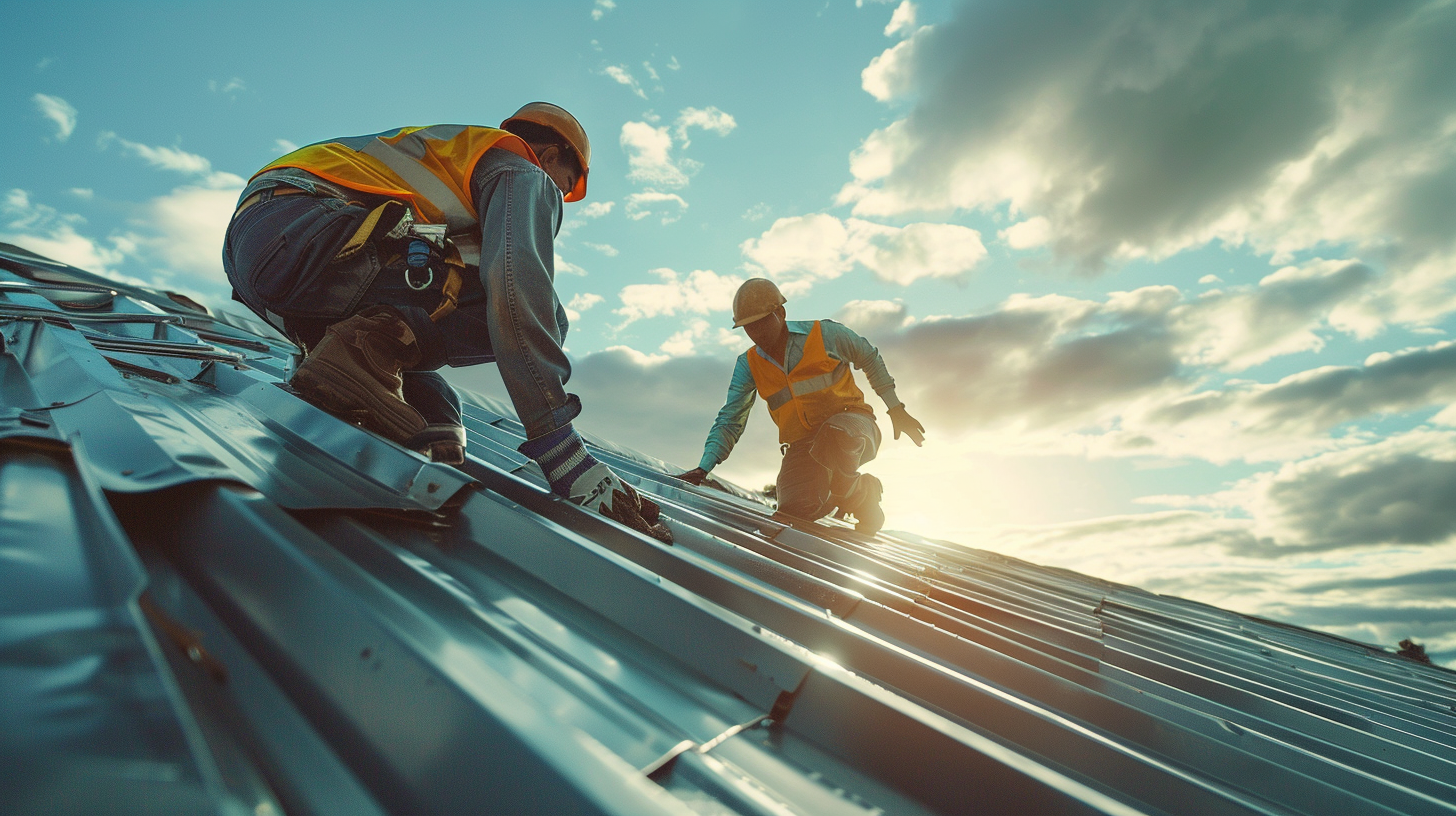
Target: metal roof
{"points": [[215, 598]]}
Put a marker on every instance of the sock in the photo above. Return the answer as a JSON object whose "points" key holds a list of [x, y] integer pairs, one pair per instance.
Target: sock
{"points": [[562, 456]]}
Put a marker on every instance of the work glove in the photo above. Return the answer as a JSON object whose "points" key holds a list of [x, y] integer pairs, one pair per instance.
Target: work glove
{"points": [[906, 424], [578, 477], [694, 476]]}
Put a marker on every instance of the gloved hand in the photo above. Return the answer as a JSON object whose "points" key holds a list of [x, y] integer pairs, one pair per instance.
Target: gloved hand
{"points": [[602, 491], [906, 424], [577, 476], [694, 476]]}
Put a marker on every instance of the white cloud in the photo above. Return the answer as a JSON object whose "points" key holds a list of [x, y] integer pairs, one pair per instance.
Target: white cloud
{"points": [[284, 147], [622, 76], [799, 250], [183, 230], [1028, 234], [595, 209], [176, 160], [230, 87], [59, 111], [649, 156], [700, 292], [606, 249], [83, 193], [902, 20], [709, 118], [1209, 280], [601, 7], [581, 302], [682, 343], [1278, 126], [758, 212], [872, 318], [46, 231], [668, 206]]}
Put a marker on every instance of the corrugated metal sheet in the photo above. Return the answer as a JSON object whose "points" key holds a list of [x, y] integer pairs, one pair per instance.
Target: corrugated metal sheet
{"points": [[215, 598]]}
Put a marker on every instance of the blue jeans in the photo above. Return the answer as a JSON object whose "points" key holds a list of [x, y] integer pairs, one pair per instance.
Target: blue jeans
{"points": [[277, 256]]}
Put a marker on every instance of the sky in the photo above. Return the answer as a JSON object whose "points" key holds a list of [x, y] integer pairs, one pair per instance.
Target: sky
{"points": [[1170, 284]]}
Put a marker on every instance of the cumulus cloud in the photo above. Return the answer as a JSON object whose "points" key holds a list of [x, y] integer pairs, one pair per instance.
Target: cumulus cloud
{"points": [[872, 318], [595, 209], [46, 231], [699, 292], [1129, 375], [601, 7], [649, 156], [800, 250], [667, 206], [1397, 491], [59, 111], [709, 119], [581, 302], [183, 230], [1140, 133], [902, 20]]}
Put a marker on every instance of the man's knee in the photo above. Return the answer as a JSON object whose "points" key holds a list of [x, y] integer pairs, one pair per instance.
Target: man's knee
{"points": [[844, 442]]}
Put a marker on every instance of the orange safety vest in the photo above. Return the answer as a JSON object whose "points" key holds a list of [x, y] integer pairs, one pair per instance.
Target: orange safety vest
{"points": [[429, 167], [818, 388]]}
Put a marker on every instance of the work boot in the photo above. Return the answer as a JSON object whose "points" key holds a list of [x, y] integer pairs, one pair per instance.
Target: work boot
{"points": [[354, 373], [868, 515]]}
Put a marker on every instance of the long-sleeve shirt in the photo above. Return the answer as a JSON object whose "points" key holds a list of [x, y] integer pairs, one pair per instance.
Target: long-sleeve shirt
{"points": [[840, 342], [509, 315]]}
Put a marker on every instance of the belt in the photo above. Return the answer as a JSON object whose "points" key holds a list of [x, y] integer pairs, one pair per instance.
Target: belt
{"points": [[258, 196]]}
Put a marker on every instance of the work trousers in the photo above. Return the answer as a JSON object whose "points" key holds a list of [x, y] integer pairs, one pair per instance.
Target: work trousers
{"points": [[255, 259], [821, 471]]}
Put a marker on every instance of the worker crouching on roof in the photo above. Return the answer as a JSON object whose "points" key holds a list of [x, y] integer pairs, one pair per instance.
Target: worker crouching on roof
{"points": [[388, 256], [801, 368]]}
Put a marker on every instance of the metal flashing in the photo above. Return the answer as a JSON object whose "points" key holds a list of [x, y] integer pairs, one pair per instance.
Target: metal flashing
{"points": [[216, 598]]}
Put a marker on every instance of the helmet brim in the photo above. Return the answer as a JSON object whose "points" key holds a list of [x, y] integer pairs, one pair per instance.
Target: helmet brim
{"points": [[744, 321]]}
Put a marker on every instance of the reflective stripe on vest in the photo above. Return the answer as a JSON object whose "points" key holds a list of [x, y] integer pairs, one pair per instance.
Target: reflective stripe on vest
{"points": [[800, 400], [430, 167]]}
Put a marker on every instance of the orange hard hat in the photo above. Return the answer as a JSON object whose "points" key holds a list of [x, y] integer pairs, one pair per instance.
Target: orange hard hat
{"points": [[755, 300], [555, 117]]}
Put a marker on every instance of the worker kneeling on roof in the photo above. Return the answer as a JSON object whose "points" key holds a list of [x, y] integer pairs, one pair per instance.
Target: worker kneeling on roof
{"points": [[801, 368], [387, 256]]}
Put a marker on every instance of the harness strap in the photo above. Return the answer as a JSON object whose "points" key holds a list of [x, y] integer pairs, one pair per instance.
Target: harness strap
{"points": [[454, 280], [361, 236]]}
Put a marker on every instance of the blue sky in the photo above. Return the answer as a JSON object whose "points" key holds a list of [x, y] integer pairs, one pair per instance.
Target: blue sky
{"points": [[1170, 284]]}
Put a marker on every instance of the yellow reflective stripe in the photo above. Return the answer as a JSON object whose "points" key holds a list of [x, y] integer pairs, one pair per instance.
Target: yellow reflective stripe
{"points": [[778, 399]]}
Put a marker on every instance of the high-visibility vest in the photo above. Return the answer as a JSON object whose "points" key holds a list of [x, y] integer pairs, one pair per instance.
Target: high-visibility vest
{"points": [[428, 167], [818, 388]]}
